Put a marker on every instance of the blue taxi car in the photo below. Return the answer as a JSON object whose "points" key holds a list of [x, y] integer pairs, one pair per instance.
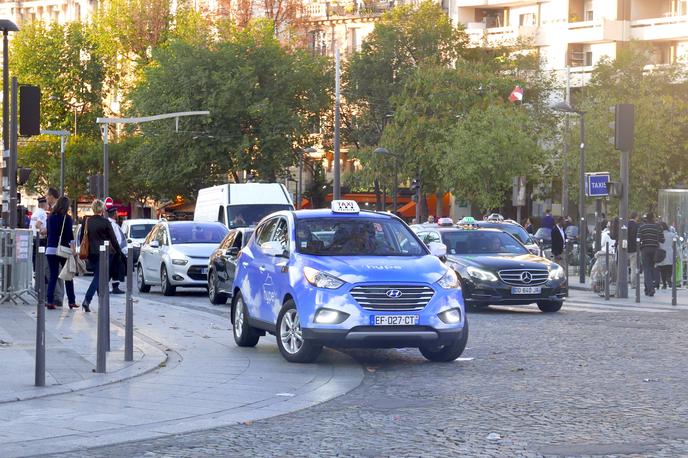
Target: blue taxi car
{"points": [[346, 278]]}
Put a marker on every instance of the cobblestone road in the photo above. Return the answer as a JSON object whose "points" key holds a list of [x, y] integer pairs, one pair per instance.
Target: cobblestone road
{"points": [[531, 384]]}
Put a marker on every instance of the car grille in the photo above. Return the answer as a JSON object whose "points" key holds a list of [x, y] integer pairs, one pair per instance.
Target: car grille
{"points": [[196, 273], [524, 277], [402, 297]]}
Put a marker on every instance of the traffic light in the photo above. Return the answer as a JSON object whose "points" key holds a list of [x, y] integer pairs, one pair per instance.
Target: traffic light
{"points": [[23, 176], [95, 185], [29, 110], [623, 126]]}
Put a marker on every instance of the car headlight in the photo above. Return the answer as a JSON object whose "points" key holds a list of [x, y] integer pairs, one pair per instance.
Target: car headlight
{"points": [[480, 274], [450, 316], [449, 280], [329, 316], [321, 279], [180, 262], [556, 272]]}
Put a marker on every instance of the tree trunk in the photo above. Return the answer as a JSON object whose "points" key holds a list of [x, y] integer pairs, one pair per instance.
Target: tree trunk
{"points": [[438, 205]]}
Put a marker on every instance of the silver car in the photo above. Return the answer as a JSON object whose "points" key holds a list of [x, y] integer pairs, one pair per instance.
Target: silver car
{"points": [[176, 254]]}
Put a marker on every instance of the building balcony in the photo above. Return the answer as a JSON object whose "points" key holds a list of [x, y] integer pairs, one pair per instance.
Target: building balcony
{"points": [[596, 31], [495, 35], [323, 10], [665, 28], [482, 3]]}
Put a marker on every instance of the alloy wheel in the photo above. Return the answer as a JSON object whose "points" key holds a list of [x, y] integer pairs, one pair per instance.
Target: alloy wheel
{"points": [[290, 332]]}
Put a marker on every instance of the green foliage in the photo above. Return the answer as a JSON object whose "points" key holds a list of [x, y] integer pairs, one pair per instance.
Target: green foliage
{"points": [[260, 96], [661, 113], [65, 62]]}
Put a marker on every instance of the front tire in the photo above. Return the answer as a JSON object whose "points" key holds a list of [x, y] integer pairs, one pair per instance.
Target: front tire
{"points": [[165, 285], [216, 297], [244, 335], [292, 345], [447, 353], [141, 281], [550, 306]]}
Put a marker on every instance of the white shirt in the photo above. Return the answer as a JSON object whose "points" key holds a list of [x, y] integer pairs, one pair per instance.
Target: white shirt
{"points": [[120, 236], [38, 216]]}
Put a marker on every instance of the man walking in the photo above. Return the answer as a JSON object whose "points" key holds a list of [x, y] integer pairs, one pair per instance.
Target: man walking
{"points": [[651, 236], [633, 247], [547, 220], [117, 262], [558, 239]]}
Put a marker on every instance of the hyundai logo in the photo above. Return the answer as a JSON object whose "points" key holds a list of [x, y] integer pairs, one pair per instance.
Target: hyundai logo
{"points": [[395, 293], [526, 277]]}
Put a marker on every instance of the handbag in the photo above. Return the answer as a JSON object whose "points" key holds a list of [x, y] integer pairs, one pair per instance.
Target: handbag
{"points": [[63, 251], [84, 248], [660, 254]]}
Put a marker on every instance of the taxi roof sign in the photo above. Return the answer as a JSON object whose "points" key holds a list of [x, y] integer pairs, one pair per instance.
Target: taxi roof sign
{"points": [[445, 222], [467, 220], [344, 206]]}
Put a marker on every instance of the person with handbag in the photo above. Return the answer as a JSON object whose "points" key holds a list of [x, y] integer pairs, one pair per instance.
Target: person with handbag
{"points": [[651, 237], [97, 229], [665, 265], [59, 247]]}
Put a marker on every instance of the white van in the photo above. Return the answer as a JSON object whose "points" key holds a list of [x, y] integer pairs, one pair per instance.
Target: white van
{"points": [[241, 205]]}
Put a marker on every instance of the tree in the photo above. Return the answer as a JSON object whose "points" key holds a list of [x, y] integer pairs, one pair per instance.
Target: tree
{"points": [[260, 96], [660, 97], [65, 62]]}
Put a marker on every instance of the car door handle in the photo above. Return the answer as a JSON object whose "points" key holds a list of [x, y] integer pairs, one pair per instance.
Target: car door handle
{"points": [[261, 268], [245, 264]]}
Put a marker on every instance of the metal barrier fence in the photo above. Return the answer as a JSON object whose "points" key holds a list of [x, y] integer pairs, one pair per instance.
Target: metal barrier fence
{"points": [[16, 265]]}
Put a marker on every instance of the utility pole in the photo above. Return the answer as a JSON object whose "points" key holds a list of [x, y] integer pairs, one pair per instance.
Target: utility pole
{"points": [[565, 176], [624, 133], [12, 169], [336, 186]]}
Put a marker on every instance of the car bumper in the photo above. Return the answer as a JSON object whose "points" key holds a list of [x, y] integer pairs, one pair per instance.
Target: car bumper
{"points": [[500, 294], [189, 275], [357, 330]]}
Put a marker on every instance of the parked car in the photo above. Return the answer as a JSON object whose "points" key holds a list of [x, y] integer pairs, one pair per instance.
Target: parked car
{"points": [[136, 231], [345, 277], [517, 231], [223, 264], [176, 254], [496, 269], [241, 204]]}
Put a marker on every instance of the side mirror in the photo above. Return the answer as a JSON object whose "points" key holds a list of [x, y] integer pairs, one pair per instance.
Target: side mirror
{"points": [[437, 249], [274, 248], [232, 251], [128, 240], [155, 244]]}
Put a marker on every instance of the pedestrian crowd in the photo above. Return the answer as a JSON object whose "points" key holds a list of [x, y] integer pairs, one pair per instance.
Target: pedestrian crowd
{"points": [[54, 228]]}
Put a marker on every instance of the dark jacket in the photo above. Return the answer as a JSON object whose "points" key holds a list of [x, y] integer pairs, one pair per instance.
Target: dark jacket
{"points": [[548, 222], [54, 226], [99, 229], [557, 241], [632, 236]]}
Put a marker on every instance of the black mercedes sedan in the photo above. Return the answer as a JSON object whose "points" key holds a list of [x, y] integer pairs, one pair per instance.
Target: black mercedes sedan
{"points": [[497, 269], [222, 265]]}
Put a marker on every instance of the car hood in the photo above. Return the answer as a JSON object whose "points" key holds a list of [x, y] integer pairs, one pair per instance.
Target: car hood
{"points": [[387, 269], [502, 261], [195, 250]]}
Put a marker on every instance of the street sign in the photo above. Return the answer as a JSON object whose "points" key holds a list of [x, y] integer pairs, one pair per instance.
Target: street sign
{"points": [[109, 202], [596, 184]]}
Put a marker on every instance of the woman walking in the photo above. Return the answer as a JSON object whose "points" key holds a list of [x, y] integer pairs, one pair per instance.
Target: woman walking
{"points": [[98, 229], [60, 245], [665, 265]]}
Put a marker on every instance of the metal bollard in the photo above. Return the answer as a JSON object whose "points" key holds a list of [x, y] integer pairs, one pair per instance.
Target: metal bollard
{"points": [[637, 271], [129, 318], [673, 272], [40, 318], [101, 347], [606, 276], [107, 295], [566, 269]]}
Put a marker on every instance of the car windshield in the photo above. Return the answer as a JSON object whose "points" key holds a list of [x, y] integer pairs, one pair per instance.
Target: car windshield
{"points": [[356, 237], [250, 215], [197, 233], [481, 242], [140, 231], [513, 229], [543, 234]]}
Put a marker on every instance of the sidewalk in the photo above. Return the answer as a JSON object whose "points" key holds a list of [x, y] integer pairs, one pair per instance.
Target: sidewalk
{"points": [[206, 382], [582, 292]]}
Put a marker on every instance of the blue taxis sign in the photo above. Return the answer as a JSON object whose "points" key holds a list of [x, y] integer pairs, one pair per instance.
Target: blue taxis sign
{"points": [[596, 184]]}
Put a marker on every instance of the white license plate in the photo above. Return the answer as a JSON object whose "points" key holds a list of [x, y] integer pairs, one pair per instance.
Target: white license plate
{"points": [[393, 320], [526, 290], [204, 270]]}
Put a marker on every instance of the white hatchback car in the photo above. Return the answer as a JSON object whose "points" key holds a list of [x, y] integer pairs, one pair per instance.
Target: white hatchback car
{"points": [[176, 254]]}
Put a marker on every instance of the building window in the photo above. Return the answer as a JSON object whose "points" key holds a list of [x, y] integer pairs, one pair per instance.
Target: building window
{"points": [[589, 15], [527, 20], [588, 58]]}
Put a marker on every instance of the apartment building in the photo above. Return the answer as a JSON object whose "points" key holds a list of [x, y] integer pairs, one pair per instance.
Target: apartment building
{"points": [[578, 33], [60, 11]]}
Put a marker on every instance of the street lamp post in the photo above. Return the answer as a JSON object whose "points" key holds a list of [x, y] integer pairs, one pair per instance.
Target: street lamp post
{"points": [[565, 107], [385, 151], [6, 26], [62, 134]]}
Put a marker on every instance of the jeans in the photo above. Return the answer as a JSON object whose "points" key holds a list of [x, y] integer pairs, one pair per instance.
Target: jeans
{"points": [[648, 257], [666, 275], [55, 264], [93, 259], [633, 261]]}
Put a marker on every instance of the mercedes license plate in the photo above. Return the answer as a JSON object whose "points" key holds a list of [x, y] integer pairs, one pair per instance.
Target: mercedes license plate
{"points": [[393, 320], [526, 290]]}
